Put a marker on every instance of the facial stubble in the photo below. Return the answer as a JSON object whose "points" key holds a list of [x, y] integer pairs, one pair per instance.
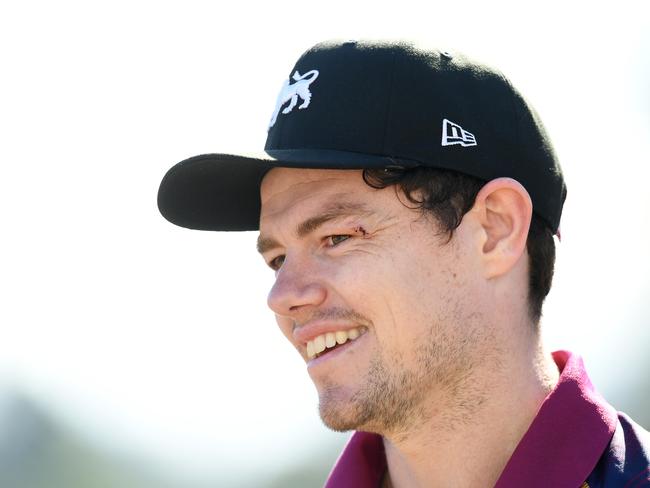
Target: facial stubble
{"points": [[393, 398]]}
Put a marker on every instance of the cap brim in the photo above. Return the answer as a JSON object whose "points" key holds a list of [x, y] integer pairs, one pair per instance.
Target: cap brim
{"points": [[222, 191]]}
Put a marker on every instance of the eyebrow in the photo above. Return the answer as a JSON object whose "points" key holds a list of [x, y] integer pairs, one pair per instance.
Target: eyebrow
{"points": [[332, 211]]}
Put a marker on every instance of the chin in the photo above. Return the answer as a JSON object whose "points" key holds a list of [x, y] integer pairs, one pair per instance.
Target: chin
{"points": [[337, 423], [337, 411], [344, 413]]}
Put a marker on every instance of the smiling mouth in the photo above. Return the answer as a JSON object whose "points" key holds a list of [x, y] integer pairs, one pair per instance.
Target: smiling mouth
{"points": [[325, 343]]}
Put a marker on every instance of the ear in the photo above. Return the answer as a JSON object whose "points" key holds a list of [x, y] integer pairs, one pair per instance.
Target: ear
{"points": [[503, 209]]}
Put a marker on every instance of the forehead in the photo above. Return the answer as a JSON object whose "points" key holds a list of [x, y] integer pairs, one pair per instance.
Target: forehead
{"points": [[299, 189]]}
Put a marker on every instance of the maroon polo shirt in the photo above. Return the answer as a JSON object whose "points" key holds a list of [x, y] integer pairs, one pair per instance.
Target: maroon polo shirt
{"points": [[562, 446]]}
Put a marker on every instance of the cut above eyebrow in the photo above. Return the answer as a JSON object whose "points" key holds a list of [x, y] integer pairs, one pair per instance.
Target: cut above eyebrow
{"points": [[333, 211]]}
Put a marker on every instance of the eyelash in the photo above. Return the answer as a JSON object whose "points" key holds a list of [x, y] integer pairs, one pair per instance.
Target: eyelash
{"points": [[331, 241], [277, 261], [274, 264]]}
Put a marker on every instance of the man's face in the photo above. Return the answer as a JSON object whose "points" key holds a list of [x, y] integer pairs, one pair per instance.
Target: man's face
{"points": [[353, 261]]}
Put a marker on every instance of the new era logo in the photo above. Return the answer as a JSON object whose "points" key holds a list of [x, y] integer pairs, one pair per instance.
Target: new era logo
{"points": [[455, 134]]}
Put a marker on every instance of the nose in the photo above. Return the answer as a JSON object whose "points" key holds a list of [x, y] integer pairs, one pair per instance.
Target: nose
{"points": [[297, 288]]}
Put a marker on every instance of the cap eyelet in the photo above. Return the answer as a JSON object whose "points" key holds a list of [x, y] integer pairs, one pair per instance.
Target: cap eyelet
{"points": [[447, 54]]}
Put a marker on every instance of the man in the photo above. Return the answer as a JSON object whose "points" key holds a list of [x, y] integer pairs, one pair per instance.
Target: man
{"points": [[407, 201]]}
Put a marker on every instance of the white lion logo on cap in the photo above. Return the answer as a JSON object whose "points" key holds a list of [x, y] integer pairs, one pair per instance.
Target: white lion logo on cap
{"points": [[291, 93]]}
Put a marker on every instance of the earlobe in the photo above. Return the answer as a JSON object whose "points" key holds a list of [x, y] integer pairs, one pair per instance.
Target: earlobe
{"points": [[504, 210]]}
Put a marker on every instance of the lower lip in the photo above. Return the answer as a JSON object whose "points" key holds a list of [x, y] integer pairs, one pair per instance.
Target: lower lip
{"points": [[335, 353]]}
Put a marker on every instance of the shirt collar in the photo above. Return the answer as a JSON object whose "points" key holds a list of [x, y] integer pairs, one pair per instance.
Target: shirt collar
{"points": [[561, 447]]}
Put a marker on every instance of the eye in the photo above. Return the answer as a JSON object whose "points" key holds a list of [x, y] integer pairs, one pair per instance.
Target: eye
{"points": [[276, 262], [336, 239]]}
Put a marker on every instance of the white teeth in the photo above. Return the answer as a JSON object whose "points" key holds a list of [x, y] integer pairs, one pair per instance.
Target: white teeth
{"points": [[341, 336], [319, 344], [331, 339]]}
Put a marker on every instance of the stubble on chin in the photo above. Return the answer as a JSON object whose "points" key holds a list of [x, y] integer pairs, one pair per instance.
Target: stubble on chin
{"points": [[385, 401], [394, 399]]}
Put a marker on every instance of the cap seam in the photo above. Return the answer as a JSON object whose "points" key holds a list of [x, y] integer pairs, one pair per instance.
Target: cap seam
{"points": [[518, 142], [389, 105], [513, 110]]}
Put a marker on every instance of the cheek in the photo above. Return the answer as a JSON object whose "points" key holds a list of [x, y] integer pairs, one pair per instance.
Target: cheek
{"points": [[387, 290], [353, 277], [421, 291]]}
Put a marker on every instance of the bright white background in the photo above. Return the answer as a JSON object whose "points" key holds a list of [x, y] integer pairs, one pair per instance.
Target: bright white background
{"points": [[155, 340]]}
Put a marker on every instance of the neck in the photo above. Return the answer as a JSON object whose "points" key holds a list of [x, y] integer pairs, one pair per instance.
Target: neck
{"points": [[457, 447]]}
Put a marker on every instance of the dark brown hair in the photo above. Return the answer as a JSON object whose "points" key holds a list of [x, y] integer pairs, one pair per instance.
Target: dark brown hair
{"points": [[448, 196]]}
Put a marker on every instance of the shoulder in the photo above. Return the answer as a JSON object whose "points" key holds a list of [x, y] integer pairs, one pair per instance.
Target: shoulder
{"points": [[625, 462]]}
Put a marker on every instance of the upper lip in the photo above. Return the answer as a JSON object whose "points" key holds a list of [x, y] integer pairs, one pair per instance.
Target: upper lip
{"points": [[311, 330]]}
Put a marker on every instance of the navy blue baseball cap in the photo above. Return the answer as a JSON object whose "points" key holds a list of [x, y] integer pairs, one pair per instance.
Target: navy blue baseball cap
{"points": [[358, 105]]}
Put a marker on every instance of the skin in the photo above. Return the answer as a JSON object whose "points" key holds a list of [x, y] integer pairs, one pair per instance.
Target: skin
{"points": [[450, 366]]}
